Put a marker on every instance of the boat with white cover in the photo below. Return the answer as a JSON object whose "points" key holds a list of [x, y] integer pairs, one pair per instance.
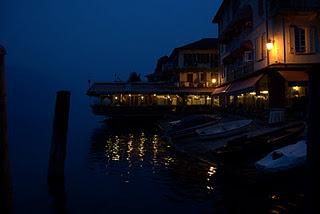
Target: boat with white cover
{"points": [[285, 158]]}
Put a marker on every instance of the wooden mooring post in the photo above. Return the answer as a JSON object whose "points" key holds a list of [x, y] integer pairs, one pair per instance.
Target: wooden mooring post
{"points": [[312, 204], [5, 177], [58, 149]]}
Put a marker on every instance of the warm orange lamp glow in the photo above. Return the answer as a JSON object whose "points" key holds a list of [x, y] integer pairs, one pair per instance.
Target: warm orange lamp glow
{"points": [[269, 45], [214, 80], [296, 88]]}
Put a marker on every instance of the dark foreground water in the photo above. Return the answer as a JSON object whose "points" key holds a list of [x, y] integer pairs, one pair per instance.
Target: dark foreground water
{"points": [[123, 168]]}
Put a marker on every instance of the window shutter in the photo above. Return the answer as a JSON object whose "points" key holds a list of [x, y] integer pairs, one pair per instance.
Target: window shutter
{"points": [[263, 46], [292, 40], [310, 39], [256, 49]]}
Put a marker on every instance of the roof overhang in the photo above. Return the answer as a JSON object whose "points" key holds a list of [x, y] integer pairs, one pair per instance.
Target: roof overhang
{"points": [[244, 86], [216, 18], [221, 90]]}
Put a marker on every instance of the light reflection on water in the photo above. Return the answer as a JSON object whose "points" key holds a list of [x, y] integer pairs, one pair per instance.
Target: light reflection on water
{"points": [[138, 157], [140, 154]]}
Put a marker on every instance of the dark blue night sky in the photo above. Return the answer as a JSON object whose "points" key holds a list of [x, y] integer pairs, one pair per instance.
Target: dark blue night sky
{"points": [[84, 39]]}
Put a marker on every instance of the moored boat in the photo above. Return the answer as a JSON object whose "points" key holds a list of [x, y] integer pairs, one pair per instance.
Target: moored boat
{"points": [[224, 129], [187, 126], [285, 158], [253, 145]]}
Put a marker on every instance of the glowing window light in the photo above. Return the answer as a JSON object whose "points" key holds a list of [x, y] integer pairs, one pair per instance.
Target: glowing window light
{"points": [[253, 93], [264, 92], [296, 88]]}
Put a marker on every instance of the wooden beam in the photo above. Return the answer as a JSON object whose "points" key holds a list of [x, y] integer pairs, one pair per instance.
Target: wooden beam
{"points": [[5, 178]]}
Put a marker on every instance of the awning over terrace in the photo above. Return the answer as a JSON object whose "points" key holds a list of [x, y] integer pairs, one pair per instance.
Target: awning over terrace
{"points": [[294, 76], [220, 90], [244, 86]]}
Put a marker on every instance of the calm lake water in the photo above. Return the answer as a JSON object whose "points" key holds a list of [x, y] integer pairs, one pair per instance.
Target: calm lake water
{"points": [[117, 168]]}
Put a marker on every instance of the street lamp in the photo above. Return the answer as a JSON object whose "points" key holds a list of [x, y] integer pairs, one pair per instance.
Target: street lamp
{"points": [[269, 45]]}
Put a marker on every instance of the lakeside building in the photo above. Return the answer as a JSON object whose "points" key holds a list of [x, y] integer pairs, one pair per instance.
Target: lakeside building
{"points": [[181, 83], [192, 65], [144, 99], [266, 49]]}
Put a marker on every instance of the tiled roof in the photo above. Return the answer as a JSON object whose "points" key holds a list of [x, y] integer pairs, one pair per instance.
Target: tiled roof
{"points": [[203, 44]]}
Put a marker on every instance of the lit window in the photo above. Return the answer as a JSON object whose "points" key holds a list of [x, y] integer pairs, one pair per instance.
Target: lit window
{"points": [[300, 39], [190, 78], [203, 77]]}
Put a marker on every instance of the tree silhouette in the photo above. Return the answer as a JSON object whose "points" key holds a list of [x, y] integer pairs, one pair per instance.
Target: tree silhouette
{"points": [[134, 77]]}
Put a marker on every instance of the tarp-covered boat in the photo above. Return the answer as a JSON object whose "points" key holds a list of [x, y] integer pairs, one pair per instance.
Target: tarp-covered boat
{"points": [[224, 129], [263, 142], [285, 158], [188, 125]]}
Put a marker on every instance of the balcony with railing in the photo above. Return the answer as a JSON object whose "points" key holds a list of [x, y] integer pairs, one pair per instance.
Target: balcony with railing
{"points": [[240, 71], [241, 22], [235, 44]]}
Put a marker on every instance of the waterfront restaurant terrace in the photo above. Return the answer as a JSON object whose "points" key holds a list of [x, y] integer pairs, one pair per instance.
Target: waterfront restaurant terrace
{"points": [[148, 99]]}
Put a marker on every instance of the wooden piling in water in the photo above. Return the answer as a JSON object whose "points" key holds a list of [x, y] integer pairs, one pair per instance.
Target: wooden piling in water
{"points": [[5, 179], [58, 149]]}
